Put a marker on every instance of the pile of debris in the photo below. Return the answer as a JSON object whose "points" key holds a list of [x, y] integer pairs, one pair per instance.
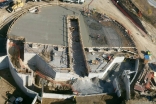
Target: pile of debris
{"points": [[146, 82]]}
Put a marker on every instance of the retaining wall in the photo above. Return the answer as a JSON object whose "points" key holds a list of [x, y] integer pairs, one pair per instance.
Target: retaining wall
{"points": [[82, 47], [63, 96], [56, 96], [19, 78], [101, 74], [34, 101], [136, 69], [4, 62], [30, 58], [65, 76], [127, 85], [44, 67], [81, 42]]}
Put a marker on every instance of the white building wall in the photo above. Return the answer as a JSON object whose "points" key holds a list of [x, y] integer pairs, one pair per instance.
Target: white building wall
{"points": [[136, 69], [44, 67], [30, 58], [34, 101], [101, 74], [127, 85], [18, 79], [57, 96], [4, 62], [65, 76], [116, 60]]}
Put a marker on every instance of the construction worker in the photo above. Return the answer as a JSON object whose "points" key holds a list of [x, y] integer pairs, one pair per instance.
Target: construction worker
{"points": [[74, 98], [18, 100]]}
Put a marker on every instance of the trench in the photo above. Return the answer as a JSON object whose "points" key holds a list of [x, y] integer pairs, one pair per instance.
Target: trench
{"points": [[78, 58]]}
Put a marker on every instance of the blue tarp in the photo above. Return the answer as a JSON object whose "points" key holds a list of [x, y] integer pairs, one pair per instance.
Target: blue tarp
{"points": [[146, 57]]}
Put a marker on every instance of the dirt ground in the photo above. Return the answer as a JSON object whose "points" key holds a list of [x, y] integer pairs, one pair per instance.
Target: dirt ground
{"points": [[100, 99], [148, 11], [9, 88], [148, 19], [56, 101]]}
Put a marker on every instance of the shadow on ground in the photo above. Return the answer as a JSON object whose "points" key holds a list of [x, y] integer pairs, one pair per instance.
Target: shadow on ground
{"points": [[10, 88]]}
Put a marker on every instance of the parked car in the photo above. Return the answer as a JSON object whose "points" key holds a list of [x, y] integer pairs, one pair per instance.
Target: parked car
{"points": [[5, 3]]}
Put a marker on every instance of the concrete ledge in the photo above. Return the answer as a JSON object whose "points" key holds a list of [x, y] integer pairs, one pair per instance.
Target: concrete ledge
{"points": [[136, 69], [57, 96], [18, 79], [4, 62]]}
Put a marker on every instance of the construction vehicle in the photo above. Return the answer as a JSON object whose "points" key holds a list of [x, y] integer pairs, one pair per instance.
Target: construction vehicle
{"points": [[17, 5], [148, 53], [4, 3], [74, 1]]}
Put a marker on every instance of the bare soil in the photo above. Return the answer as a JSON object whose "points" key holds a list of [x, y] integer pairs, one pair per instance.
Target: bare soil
{"points": [[56, 101], [148, 11], [9, 88]]}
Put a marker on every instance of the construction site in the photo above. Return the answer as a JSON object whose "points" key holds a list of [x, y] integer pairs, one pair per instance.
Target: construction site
{"points": [[63, 53]]}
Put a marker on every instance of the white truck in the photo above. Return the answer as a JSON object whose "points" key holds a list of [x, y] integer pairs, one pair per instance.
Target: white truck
{"points": [[74, 1]]}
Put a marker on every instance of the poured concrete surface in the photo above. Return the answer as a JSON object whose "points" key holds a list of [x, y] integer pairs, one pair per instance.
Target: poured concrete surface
{"points": [[101, 35], [47, 27], [99, 59]]}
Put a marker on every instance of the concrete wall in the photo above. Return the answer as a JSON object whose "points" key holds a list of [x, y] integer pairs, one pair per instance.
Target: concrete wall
{"points": [[116, 60], [82, 47], [34, 101], [30, 58], [24, 78], [57, 96], [127, 84], [65, 76], [101, 74], [136, 69], [62, 96], [70, 43], [18, 78], [27, 79], [44, 67], [4, 62]]}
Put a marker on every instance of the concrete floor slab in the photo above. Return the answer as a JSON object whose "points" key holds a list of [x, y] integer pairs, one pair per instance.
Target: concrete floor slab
{"points": [[96, 67], [47, 27]]}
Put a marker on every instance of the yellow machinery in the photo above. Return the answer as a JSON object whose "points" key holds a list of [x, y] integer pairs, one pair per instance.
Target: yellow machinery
{"points": [[17, 5]]}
